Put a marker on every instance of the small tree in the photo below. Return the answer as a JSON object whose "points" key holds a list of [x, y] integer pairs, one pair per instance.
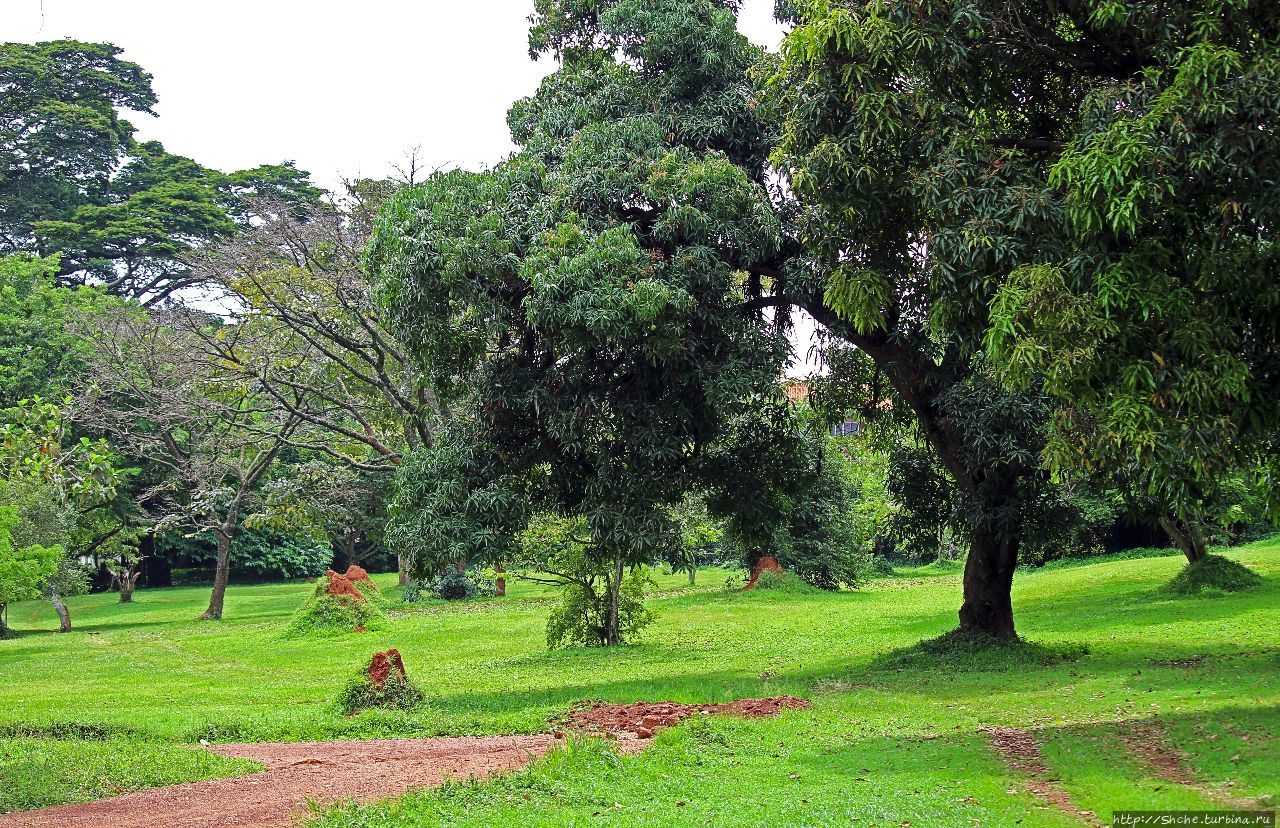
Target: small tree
{"points": [[64, 491], [69, 578], [698, 532], [601, 604]]}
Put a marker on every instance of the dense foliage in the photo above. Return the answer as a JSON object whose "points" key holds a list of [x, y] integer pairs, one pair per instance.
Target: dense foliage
{"points": [[585, 295], [1154, 318]]}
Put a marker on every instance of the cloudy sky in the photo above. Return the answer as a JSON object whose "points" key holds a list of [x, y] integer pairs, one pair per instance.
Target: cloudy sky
{"points": [[342, 89], [345, 90]]}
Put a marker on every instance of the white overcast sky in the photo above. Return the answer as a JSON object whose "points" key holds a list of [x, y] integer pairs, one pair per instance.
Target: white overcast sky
{"points": [[344, 89]]}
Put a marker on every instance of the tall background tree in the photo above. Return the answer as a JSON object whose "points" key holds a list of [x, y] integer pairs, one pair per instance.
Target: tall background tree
{"points": [[159, 393], [75, 181]]}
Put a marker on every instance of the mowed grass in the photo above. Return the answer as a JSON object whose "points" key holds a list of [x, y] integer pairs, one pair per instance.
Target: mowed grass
{"points": [[892, 737]]}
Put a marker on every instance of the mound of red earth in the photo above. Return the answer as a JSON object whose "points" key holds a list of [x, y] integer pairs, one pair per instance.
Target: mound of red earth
{"points": [[357, 574], [643, 719], [340, 585], [381, 666], [766, 564]]}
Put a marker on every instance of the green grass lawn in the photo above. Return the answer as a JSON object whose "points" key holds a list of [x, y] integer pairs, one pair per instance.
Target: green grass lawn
{"points": [[892, 738]]}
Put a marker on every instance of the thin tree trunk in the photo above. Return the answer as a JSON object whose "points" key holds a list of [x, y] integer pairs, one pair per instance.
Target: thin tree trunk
{"points": [[349, 547], [1186, 536], [988, 582], [402, 566], [225, 534], [693, 575], [4, 618], [499, 583], [612, 635], [64, 615]]}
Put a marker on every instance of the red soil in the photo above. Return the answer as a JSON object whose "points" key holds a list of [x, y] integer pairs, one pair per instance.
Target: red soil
{"points": [[1021, 753], [382, 664], [640, 721], [340, 585], [322, 772], [325, 772], [766, 564], [357, 573]]}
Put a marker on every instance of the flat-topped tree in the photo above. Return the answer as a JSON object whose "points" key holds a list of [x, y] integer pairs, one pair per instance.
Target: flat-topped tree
{"points": [[585, 297], [73, 180]]}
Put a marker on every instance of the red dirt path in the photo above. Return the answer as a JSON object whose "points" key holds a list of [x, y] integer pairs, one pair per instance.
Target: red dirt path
{"points": [[277, 797], [324, 772]]}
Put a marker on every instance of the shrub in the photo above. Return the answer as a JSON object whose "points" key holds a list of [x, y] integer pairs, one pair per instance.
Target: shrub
{"points": [[268, 554], [786, 583], [451, 586], [580, 617], [1213, 572], [822, 542], [415, 591]]}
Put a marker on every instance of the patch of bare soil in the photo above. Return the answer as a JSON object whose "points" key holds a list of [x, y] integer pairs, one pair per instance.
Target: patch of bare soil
{"points": [[1019, 751], [1147, 743], [633, 725], [297, 773]]}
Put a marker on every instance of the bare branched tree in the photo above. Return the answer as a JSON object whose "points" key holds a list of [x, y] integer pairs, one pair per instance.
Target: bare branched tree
{"points": [[163, 394], [299, 279]]}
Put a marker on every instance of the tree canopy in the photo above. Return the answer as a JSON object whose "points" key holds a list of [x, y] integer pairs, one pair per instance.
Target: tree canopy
{"points": [[585, 297]]}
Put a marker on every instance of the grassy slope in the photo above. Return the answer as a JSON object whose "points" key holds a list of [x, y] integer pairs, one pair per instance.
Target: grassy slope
{"points": [[881, 746]]}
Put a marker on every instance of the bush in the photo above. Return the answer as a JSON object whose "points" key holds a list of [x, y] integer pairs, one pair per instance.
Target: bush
{"points": [[822, 542], [395, 694], [783, 582], [579, 619], [1213, 572], [451, 586], [415, 591], [325, 614], [267, 554]]}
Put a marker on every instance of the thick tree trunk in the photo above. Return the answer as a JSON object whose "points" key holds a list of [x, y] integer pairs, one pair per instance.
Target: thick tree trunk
{"points": [[988, 582], [499, 583], [126, 588], [693, 575], [1187, 536], [612, 634], [64, 615], [225, 534]]}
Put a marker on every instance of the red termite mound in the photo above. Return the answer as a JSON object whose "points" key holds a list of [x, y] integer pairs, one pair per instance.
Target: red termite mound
{"points": [[381, 666], [357, 575], [340, 585], [766, 564]]}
